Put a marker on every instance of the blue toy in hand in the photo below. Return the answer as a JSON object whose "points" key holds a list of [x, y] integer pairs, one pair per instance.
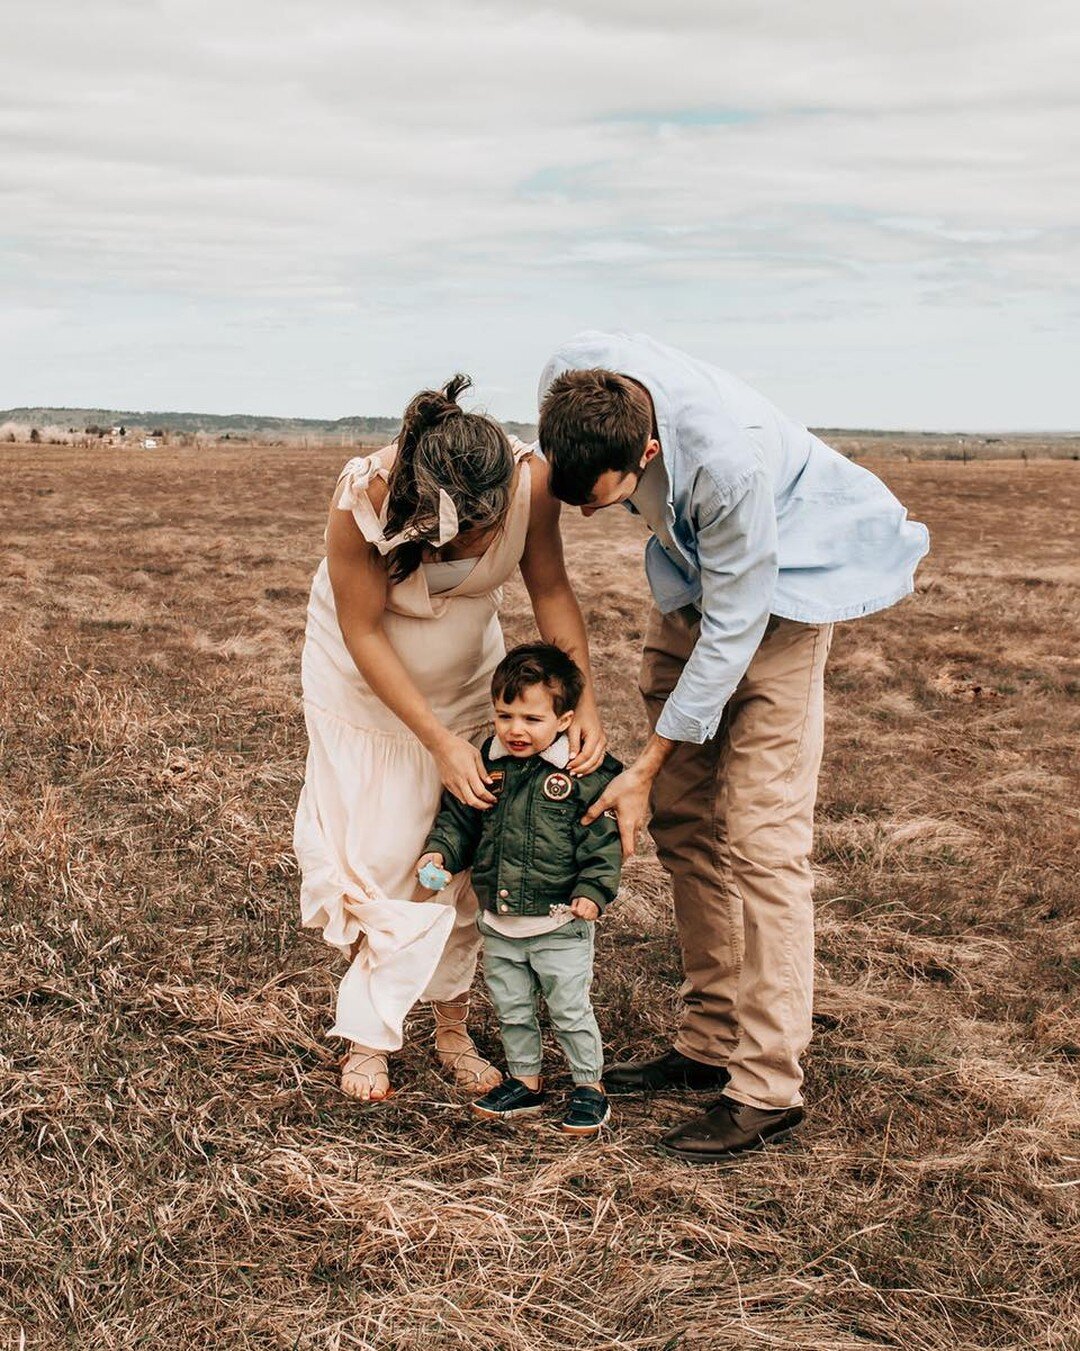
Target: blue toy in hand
{"points": [[433, 877]]}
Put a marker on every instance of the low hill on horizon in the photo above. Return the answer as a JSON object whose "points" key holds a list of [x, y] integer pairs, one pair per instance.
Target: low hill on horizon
{"points": [[58, 425], [216, 424]]}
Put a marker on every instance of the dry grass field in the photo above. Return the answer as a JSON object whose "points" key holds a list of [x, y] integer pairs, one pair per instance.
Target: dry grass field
{"points": [[177, 1168]]}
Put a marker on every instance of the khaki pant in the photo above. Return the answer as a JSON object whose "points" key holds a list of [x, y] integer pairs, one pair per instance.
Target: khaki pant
{"points": [[733, 825]]}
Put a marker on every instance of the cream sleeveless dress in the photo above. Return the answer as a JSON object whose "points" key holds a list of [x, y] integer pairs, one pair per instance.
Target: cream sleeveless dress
{"points": [[371, 790]]}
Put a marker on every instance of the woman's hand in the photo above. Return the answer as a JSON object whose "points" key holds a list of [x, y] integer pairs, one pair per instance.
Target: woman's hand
{"points": [[587, 739], [461, 768]]}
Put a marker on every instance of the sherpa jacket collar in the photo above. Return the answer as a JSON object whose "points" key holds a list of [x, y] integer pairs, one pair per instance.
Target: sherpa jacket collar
{"points": [[557, 754]]}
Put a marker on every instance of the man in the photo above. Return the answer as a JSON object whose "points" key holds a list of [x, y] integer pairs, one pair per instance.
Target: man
{"points": [[762, 538]]}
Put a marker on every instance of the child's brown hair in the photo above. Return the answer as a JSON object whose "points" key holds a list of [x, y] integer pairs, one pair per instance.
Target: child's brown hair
{"points": [[539, 664]]}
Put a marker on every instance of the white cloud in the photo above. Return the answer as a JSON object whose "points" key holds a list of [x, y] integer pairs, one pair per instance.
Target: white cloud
{"points": [[362, 197]]}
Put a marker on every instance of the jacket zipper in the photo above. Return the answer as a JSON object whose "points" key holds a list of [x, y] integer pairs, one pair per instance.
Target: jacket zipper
{"points": [[504, 800], [530, 801]]}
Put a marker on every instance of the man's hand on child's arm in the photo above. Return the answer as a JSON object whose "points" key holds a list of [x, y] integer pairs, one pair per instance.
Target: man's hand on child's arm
{"points": [[584, 908], [628, 793]]}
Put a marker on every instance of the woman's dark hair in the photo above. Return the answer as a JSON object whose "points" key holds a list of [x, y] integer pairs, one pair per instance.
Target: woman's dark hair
{"points": [[590, 422], [539, 664], [467, 455]]}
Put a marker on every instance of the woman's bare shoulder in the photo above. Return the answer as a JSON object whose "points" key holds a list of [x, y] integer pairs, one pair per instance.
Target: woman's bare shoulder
{"points": [[377, 491], [540, 483]]}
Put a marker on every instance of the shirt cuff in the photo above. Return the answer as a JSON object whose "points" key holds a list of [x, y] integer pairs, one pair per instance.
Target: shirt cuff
{"points": [[676, 725]]}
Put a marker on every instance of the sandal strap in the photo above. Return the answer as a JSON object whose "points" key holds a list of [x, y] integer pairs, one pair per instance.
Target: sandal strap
{"points": [[441, 1021], [457, 1069], [362, 1058], [451, 1060]]}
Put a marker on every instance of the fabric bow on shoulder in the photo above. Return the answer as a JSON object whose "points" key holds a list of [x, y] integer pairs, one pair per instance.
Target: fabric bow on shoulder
{"points": [[357, 475]]}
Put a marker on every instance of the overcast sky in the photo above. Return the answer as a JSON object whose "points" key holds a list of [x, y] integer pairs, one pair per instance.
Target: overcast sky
{"points": [[870, 210]]}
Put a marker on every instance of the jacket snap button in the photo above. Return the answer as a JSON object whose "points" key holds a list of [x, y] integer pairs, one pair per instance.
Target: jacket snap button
{"points": [[504, 907], [504, 892]]}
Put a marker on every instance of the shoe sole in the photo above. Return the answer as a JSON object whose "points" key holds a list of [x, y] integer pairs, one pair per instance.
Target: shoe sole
{"points": [[585, 1131], [487, 1114], [705, 1160]]}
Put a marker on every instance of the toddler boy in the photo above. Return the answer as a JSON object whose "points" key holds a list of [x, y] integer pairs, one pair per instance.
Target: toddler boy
{"points": [[542, 879]]}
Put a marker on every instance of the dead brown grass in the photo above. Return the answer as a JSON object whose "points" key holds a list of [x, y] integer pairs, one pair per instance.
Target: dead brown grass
{"points": [[177, 1168]]}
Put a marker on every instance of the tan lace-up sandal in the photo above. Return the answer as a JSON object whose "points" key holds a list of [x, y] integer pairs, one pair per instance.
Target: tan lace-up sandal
{"points": [[470, 1070], [365, 1075]]}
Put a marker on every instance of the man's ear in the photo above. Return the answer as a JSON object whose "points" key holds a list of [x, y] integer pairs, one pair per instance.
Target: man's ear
{"points": [[652, 449]]}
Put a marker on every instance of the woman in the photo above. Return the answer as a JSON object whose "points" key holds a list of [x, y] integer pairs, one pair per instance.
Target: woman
{"points": [[402, 637]]}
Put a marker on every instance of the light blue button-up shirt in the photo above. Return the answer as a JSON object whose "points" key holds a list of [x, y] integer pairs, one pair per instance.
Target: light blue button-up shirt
{"points": [[763, 518]]}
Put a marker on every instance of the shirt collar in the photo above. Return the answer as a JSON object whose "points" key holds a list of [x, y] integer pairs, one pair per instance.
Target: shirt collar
{"points": [[557, 754]]}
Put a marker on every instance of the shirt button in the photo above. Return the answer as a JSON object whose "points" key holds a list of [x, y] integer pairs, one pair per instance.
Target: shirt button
{"points": [[504, 907], [504, 892]]}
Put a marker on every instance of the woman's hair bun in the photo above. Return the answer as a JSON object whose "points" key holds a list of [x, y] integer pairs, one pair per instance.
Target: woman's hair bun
{"points": [[431, 407], [456, 386]]}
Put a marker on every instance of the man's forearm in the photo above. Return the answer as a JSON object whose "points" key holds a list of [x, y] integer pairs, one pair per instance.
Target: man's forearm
{"points": [[653, 756]]}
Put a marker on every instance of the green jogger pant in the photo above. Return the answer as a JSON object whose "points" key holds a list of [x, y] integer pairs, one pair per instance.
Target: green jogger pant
{"points": [[558, 966]]}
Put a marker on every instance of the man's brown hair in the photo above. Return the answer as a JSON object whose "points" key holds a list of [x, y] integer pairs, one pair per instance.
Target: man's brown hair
{"points": [[591, 422]]}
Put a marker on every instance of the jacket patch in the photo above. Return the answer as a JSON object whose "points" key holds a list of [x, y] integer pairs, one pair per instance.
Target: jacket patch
{"points": [[558, 787]]}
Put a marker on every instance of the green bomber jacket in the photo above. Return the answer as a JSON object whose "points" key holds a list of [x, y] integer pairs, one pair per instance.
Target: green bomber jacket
{"points": [[530, 851]]}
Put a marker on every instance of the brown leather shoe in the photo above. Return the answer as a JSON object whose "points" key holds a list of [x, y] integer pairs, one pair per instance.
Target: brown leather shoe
{"points": [[726, 1129], [672, 1070]]}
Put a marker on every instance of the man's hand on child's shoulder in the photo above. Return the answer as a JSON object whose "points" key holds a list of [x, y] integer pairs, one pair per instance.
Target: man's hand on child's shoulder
{"points": [[584, 908]]}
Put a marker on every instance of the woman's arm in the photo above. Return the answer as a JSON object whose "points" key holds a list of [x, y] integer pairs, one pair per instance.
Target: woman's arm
{"points": [[360, 585], [558, 616]]}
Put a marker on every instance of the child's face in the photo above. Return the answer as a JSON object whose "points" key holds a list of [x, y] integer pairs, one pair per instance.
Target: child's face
{"points": [[529, 724]]}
